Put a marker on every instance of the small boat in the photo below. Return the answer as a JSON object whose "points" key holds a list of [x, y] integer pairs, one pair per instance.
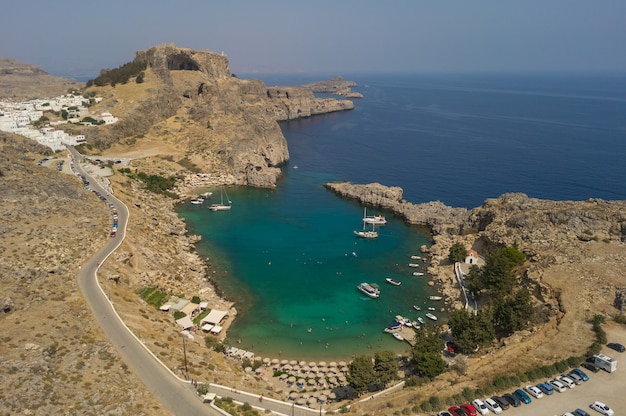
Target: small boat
{"points": [[393, 281], [369, 290], [391, 328], [198, 201], [221, 206], [435, 297], [207, 194], [415, 257], [420, 320], [373, 219], [430, 308], [414, 265], [397, 336], [431, 316], [418, 274], [415, 324], [417, 308]]}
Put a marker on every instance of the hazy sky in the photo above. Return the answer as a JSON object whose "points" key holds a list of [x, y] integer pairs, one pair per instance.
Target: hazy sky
{"points": [[78, 38]]}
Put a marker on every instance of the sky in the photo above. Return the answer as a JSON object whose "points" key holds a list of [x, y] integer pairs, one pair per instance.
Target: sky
{"points": [[78, 38]]}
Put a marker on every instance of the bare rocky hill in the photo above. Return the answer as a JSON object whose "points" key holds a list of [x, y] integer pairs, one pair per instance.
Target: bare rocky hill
{"points": [[193, 109], [53, 357], [20, 81]]}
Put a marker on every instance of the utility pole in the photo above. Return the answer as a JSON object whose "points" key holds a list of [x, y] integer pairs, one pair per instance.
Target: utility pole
{"points": [[185, 355]]}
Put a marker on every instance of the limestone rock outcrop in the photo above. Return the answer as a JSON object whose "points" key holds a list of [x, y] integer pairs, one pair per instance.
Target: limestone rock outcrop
{"points": [[189, 101]]}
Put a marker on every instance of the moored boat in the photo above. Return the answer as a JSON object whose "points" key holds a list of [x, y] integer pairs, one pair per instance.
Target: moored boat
{"points": [[221, 206], [397, 336], [369, 290], [435, 297], [414, 265], [373, 219], [431, 316], [415, 257], [366, 234], [393, 281], [420, 320], [198, 201], [417, 308], [418, 274]]}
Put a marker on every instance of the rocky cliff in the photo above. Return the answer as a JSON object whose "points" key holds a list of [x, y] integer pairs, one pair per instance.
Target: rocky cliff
{"points": [[191, 107]]}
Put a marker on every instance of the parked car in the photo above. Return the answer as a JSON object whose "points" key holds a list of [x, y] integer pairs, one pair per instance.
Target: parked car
{"points": [[480, 407], [545, 388], [493, 406], [590, 366], [615, 346], [602, 408], [504, 404], [580, 412], [534, 391], [469, 409], [575, 377], [557, 385], [522, 396], [567, 414], [580, 373], [512, 399], [456, 411], [444, 413], [566, 381]]}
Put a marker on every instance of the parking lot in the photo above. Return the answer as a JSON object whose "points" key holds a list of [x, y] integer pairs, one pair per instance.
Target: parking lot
{"points": [[602, 386]]}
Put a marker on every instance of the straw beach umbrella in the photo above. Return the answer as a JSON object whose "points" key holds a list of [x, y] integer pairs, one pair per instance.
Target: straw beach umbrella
{"points": [[284, 362], [301, 401], [291, 379], [312, 364], [293, 395], [332, 364], [302, 363], [322, 364], [283, 376], [342, 364], [266, 361], [293, 362], [332, 396]]}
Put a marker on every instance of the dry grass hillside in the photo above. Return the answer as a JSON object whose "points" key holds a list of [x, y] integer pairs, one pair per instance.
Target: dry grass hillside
{"points": [[53, 357]]}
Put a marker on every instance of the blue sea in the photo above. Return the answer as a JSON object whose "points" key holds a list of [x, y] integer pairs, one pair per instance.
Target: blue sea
{"points": [[288, 257]]}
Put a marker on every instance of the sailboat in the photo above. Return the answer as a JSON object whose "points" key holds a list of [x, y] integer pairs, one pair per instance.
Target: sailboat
{"points": [[365, 233], [373, 219], [221, 206]]}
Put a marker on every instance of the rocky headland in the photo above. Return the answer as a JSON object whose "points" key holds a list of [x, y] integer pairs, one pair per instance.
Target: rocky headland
{"points": [[189, 108], [336, 85]]}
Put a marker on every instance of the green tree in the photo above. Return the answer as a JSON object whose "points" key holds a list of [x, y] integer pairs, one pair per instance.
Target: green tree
{"points": [[361, 373], [427, 350], [512, 313], [386, 366], [458, 252], [471, 331]]}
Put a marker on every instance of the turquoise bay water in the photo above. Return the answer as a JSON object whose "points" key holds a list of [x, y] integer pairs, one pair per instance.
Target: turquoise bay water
{"points": [[286, 256], [290, 260]]}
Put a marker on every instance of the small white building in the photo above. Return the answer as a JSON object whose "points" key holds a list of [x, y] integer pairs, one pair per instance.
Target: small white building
{"points": [[472, 257]]}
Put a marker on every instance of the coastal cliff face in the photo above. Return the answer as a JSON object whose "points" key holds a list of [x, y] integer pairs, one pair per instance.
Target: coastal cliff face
{"points": [[190, 107]]}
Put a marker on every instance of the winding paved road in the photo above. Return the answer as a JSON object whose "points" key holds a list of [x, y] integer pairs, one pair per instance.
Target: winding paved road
{"points": [[175, 394]]}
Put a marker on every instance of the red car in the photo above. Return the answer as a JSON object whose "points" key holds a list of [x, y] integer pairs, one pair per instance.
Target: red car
{"points": [[469, 409], [457, 411]]}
